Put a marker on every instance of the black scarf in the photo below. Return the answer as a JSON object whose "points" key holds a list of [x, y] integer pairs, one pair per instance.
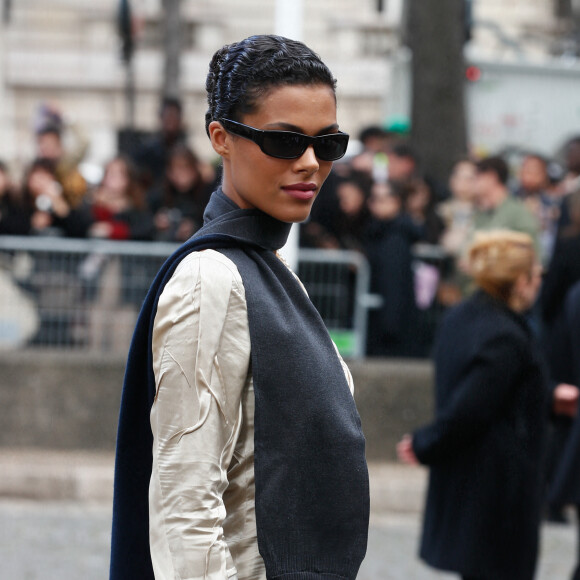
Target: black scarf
{"points": [[312, 497]]}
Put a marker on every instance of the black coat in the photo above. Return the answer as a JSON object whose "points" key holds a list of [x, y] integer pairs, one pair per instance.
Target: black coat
{"points": [[392, 328], [14, 220], [563, 273], [485, 446], [565, 487]]}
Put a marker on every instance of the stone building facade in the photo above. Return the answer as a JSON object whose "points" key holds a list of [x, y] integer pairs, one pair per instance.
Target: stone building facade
{"points": [[67, 52]]}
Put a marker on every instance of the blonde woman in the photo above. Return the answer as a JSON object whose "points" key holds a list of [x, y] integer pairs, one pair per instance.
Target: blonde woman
{"points": [[484, 447]]}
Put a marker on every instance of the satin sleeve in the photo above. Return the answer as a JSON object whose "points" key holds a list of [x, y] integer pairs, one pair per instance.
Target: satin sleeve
{"points": [[201, 357]]}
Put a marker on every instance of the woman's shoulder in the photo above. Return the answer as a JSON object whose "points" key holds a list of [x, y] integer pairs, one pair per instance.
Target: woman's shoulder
{"points": [[485, 317], [204, 282], [211, 268], [477, 328]]}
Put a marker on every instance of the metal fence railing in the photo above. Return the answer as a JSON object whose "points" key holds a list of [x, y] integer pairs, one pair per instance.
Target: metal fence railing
{"points": [[86, 294], [338, 283]]}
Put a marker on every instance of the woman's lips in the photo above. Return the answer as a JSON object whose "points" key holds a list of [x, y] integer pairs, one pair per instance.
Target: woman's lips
{"points": [[301, 190]]}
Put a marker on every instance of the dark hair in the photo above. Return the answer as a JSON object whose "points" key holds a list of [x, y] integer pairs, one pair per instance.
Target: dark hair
{"points": [[39, 164], [495, 165], [241, 73], [43, 164], [134, 189], [50, 129], [360, 179], [404, 149], [401, 189], [170, 103], [182, 151], [371, 132], [575, 140]]}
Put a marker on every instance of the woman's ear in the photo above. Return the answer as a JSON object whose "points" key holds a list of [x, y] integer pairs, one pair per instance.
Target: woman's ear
{"points": [[219, 139]]}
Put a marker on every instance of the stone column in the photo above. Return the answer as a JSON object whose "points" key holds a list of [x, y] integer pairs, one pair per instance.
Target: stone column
{"points": [[6, 109]]}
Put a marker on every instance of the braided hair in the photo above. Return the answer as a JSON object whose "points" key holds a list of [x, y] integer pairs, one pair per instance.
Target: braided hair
{"points": [[496, 259], [241, 73]]}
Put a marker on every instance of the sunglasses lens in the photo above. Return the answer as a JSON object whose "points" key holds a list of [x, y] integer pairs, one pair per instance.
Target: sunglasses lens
{"points": [[331, 147], [289, 145], [284, 145]]}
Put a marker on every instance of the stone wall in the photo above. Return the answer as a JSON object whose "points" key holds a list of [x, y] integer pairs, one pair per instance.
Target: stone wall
{"points": [[70, 401], [68, 53]]}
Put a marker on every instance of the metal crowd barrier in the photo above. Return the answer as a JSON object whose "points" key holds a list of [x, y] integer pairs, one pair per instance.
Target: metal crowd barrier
{"points": [[86, 294], [338, 283]]}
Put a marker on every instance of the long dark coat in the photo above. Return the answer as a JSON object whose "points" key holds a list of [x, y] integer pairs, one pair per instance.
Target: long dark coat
{"points": [[566, 483], [563, 273], [393, 328], [484, 448]]}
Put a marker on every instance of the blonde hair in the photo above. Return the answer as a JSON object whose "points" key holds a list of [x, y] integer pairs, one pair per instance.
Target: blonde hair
{"points": [[497, 258]]}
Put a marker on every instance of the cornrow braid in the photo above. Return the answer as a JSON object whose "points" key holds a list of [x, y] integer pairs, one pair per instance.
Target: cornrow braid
{"points": [[240, 73], [212, 82]]}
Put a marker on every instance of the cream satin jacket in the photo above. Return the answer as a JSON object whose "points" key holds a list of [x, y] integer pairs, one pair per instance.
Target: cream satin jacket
{"points": [[201, 494]]}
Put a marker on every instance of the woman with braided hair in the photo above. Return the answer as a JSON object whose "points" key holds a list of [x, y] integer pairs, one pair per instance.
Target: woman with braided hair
{"points": [[240, 453]]}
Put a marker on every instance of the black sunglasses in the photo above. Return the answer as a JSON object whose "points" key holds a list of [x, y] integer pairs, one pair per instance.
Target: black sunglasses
{"points": [[290, 145]]}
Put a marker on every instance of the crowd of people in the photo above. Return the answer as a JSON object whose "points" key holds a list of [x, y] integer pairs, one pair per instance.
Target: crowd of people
{"points": [[377, 201], [382, 203], [156, 190]]}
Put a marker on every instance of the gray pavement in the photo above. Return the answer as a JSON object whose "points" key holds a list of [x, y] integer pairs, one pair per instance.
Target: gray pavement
{"points": [[55, 510]]}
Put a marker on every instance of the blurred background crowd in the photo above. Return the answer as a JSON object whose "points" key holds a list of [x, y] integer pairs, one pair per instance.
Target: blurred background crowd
{"points": [[413, 229], [156, 191]]}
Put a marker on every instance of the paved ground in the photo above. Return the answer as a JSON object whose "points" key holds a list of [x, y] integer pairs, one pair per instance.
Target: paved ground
{"points": [[63, 533], [69, 541]]}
